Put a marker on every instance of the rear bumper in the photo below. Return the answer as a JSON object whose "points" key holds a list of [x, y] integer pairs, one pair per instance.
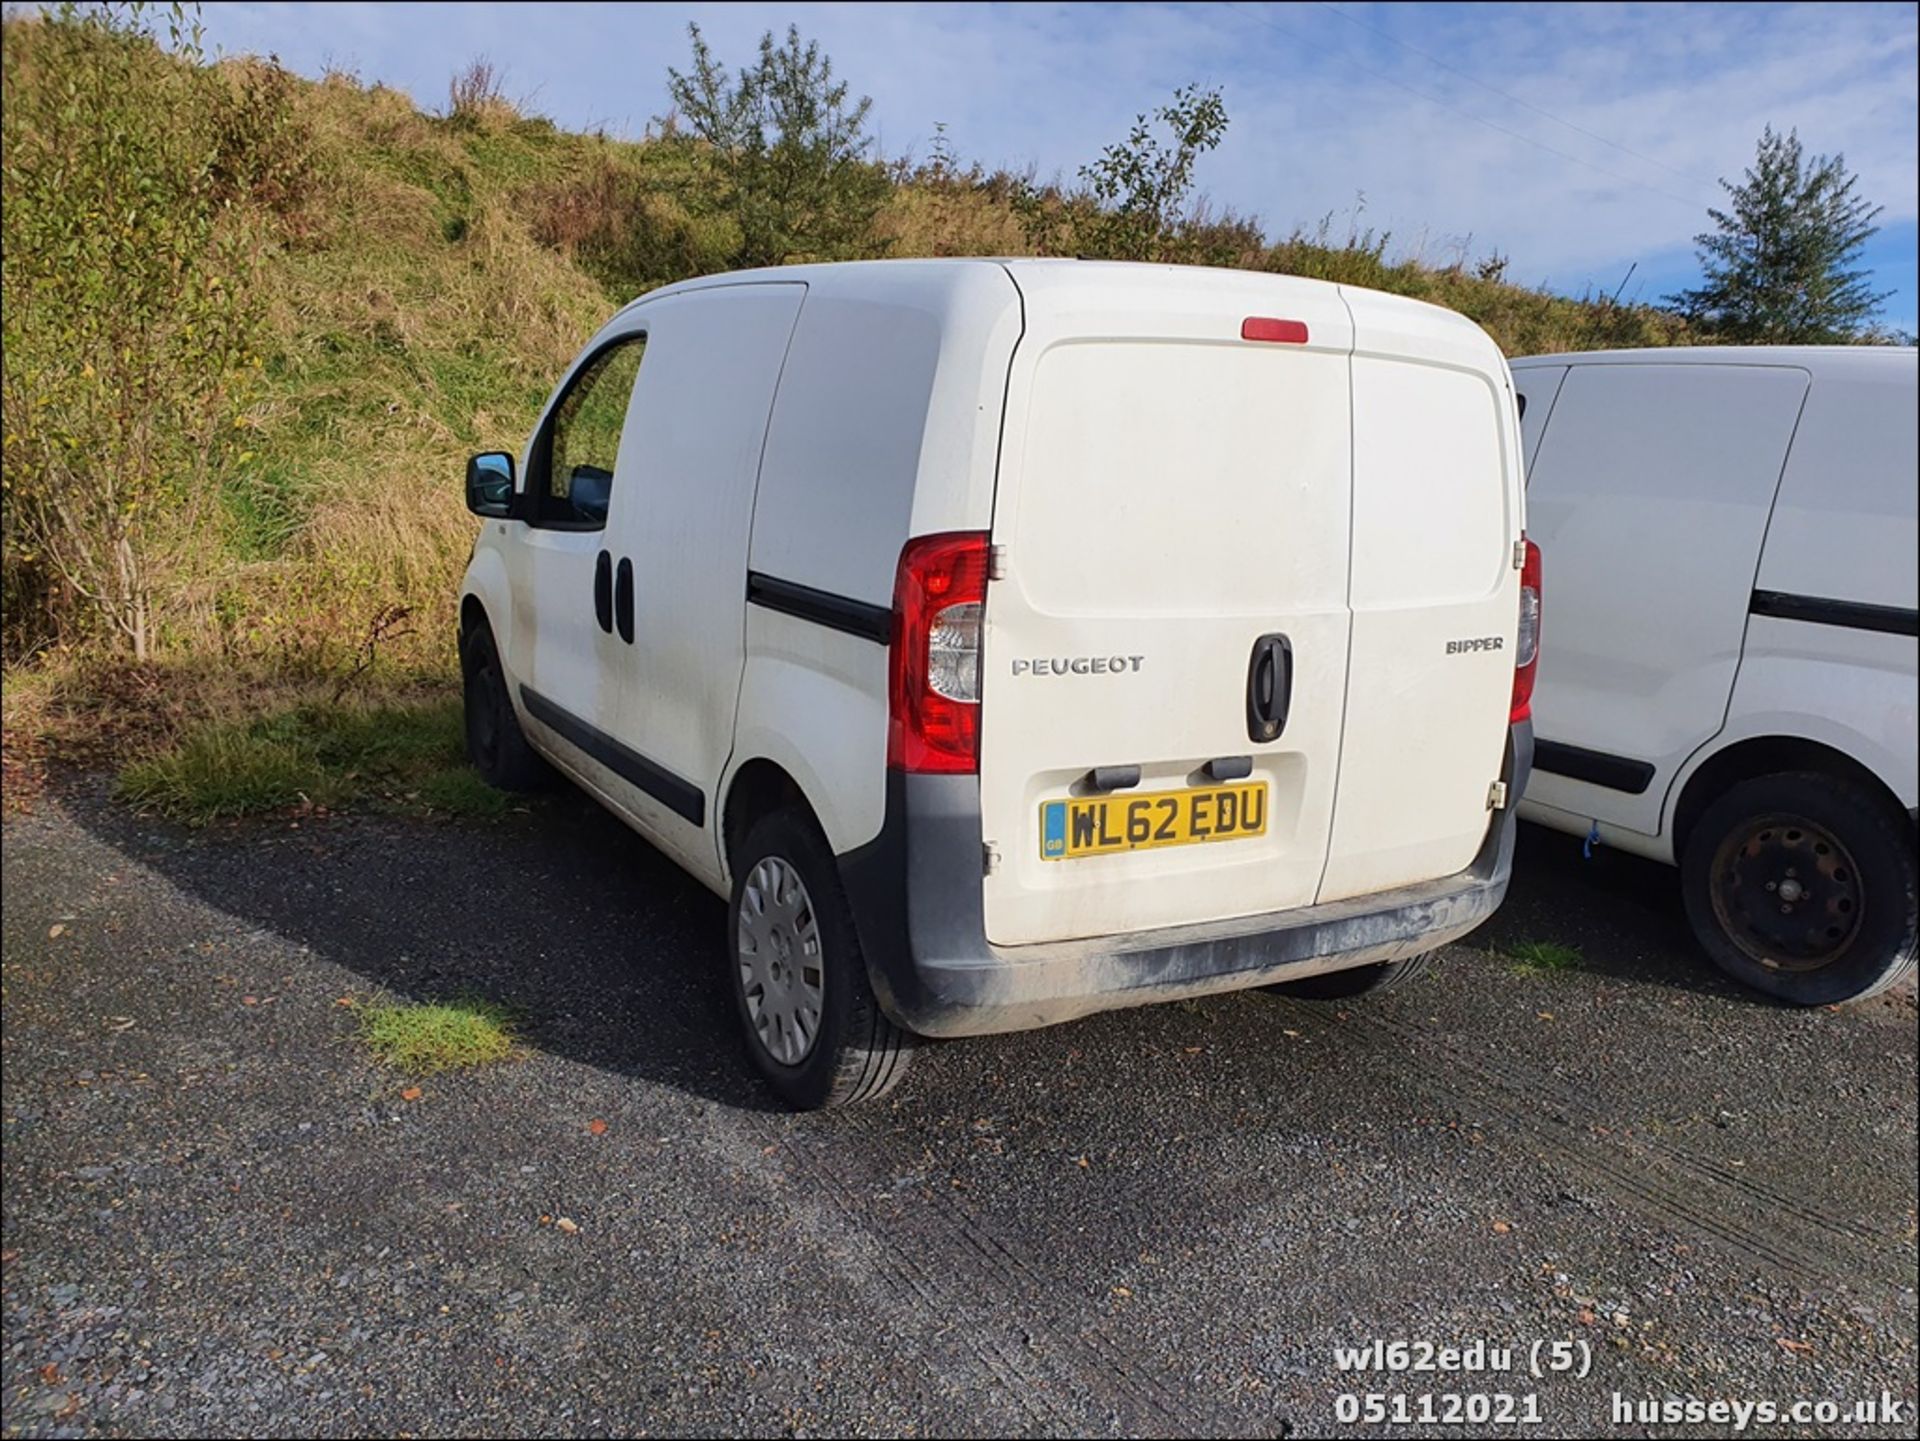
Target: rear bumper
{"points": [[916, 897]]}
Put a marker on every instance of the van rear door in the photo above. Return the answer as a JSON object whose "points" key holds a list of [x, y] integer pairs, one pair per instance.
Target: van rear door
{"points": [[1171, 539], [1435, 594]]}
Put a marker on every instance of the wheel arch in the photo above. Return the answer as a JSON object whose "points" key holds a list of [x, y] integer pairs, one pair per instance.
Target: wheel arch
{"points": [[486, 593], [1756, 756], [757, 788], [473, 615]]}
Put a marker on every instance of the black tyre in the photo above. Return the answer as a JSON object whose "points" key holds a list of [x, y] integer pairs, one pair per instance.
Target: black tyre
{"points": [[495, 743], [812, 1024], [1804, 885], [1356, 981]]}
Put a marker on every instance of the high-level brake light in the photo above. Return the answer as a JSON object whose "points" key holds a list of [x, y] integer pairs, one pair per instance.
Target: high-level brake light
{"points": [[1267, 327]]}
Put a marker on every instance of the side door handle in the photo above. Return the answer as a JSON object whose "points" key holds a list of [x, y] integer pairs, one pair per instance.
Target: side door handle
{"points": [[1269, 688], [603, 591], [623, 600]]}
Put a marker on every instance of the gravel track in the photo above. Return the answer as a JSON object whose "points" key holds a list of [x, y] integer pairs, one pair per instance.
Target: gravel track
{"points": [[222, 1218]]}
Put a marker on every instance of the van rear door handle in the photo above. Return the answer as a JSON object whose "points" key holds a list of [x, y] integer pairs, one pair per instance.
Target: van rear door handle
{"points": [[1269, 688], [603, 591]]}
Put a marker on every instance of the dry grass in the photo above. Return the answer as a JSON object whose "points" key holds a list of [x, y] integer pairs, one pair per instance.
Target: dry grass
{"points": [[435, 275], [955, 217], [476, 97], [427, 326], [416, 319]]}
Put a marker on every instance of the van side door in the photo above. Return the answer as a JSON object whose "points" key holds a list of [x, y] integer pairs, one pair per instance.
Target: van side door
{"points": [[1649, 495], [698, 427]]}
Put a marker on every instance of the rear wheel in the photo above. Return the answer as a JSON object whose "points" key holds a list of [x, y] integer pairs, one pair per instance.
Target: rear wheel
{"points": [[496, 745], [1355, 981], [1804, 886], [813, 1026]]}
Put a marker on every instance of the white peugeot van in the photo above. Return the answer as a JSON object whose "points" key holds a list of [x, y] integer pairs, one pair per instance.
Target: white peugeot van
{"points": [[1011, 641], [1733, 684]]}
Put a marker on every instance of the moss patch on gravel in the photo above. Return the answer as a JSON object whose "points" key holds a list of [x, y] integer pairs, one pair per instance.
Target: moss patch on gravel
{"points": [[424, 1038], [1539, 958]]}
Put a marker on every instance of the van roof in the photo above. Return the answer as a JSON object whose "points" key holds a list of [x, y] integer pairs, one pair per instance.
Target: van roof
{"points": [[1815, 359], [849, 276], [851, 273]]}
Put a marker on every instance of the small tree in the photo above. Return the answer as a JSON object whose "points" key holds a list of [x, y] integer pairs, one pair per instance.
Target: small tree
{"points": [[779, 148], [1141, 186], [1135, 201], [1781, 267]]}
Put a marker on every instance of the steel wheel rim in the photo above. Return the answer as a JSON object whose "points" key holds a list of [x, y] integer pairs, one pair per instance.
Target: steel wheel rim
{"points": [[777, 947], [1787, 893]]}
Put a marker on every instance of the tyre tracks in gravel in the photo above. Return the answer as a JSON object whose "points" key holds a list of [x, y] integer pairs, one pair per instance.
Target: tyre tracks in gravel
{"points": [[1745, 1214], [1053, 1355], [1052, 1352]]}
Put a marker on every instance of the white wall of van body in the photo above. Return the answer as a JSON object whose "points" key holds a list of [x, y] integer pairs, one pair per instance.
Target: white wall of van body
{"points": [[1696, 507]]}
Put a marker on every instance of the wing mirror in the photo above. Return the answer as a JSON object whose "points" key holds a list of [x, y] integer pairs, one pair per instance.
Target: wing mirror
{"points": [[490, 484]]}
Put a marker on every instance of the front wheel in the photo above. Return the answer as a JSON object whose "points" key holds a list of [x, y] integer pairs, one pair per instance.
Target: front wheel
{"points": [[496, 745], [813, 1026], [1804, 886], [1355, 981]]}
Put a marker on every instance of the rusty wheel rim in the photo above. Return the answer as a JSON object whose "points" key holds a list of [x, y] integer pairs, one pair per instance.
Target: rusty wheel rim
{"points": [[1787, 893]]}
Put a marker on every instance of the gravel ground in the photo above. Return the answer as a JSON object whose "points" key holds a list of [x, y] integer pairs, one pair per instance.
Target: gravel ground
{"points": [[222, 1218]]}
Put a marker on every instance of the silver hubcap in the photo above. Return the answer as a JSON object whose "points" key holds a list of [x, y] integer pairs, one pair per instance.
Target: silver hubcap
{"points": [[779, 953]]}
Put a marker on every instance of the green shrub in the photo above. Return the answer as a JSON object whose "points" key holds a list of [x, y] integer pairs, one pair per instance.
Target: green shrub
{"points": [[133, 180]]}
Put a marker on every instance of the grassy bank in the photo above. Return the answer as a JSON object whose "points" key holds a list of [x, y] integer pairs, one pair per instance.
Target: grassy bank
{"points": [[406, 286]]}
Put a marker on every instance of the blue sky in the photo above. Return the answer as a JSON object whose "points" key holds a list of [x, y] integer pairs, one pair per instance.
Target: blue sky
{"points": [[1578, 140]]}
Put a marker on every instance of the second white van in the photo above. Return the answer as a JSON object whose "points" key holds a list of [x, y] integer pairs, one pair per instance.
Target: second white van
{"points": [[1734, 681], [1010, 641]]}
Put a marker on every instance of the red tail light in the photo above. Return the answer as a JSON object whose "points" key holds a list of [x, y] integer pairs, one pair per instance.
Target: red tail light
{"points": [[1526, 650], [939, 605]]}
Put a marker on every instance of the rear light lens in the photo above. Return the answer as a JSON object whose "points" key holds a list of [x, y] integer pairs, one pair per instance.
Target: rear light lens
{"points": [[953, 653], [939, 600], [1526, 651]]}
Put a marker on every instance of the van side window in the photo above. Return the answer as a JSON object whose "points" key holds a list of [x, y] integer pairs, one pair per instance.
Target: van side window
{"points": [[573, 463]]}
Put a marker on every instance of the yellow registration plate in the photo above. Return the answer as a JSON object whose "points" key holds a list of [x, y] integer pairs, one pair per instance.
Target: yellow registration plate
{"points": [[1106, 825]]}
